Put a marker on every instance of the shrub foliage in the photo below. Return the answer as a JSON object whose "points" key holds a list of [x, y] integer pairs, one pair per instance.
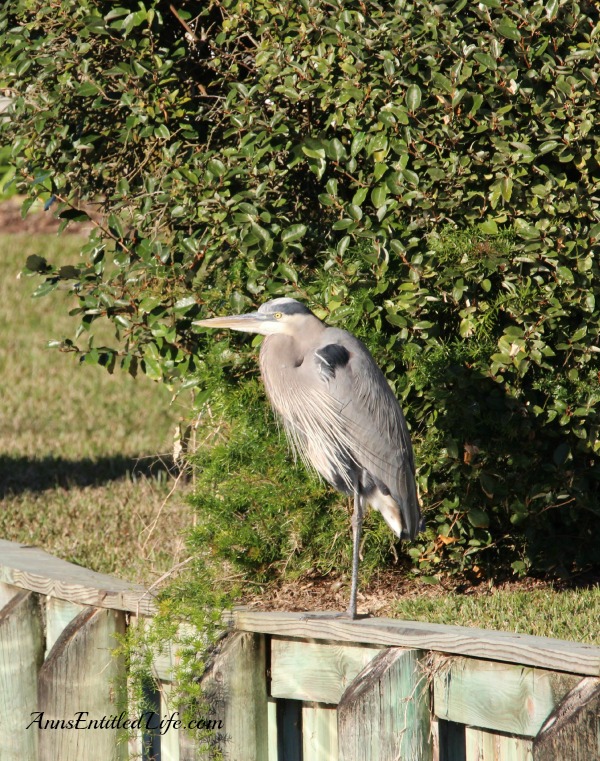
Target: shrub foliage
{"points": [[426, 174]]}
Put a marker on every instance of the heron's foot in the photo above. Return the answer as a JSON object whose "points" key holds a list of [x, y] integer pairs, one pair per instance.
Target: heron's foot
{"points": [[352, 615]]}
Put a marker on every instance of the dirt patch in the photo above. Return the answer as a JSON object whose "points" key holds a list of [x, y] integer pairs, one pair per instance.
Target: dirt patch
{"points": [[375, 598], [36, 222]]}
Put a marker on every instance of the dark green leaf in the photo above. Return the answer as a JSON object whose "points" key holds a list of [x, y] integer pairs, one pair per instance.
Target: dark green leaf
{"points": [[37, 263]]}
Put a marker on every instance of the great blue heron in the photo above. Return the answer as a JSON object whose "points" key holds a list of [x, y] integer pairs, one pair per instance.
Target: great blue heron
{"points": [[338, 411]]}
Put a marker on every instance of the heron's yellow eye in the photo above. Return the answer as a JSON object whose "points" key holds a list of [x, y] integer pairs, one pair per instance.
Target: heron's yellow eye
{"points": [[278, 315]]}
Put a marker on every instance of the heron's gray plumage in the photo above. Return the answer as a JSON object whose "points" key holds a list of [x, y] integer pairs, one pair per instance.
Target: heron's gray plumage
{"points": [[343, 420], [339, 412]]}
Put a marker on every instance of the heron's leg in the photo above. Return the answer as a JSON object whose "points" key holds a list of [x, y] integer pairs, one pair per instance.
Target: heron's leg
{"points": [[357, 521]]}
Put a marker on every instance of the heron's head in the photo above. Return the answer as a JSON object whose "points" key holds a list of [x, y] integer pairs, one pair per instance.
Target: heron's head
{"points": [[282, 315]]}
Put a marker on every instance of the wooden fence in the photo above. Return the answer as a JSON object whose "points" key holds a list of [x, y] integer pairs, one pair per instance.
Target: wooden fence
{"points": [[291, 687]]}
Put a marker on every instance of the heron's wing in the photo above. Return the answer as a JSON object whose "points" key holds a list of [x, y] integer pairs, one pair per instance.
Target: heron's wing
{"points": [[330, 359], [369, 421]]}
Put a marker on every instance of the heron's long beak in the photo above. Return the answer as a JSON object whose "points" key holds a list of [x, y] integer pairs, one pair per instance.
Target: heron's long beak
{"points": [[253, 322]]}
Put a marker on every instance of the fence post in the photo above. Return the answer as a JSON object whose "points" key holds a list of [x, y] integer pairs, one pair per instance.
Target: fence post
{"points": [[82, 679], [236, 684], [384, 713], [572, 731], [21, 655]]}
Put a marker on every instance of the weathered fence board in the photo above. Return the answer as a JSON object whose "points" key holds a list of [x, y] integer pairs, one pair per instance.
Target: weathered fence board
{"points": [[169, 746], [487, 746], [553, 654], [21, 655], [36, 570], [573, 729], [315, 671], [187, 747], [7, 592], [384, 714], [59, 613], [236, 686], [497, 696], [319, 732], [82, 674], [272, 752]]}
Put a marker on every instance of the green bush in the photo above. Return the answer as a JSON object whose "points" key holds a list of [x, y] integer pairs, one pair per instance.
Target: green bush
{"points": [[427, 174]]}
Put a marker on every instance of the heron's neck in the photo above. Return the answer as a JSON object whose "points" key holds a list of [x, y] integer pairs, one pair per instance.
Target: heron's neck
{"points": [[290, 347], [278, 352]]}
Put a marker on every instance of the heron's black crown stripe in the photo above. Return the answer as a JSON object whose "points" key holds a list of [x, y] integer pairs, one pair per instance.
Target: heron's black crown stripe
{"points": [[293, 308], [284, 305]]}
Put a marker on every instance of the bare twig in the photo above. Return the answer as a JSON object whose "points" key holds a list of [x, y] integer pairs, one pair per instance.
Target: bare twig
{"points": [[184, 24]]}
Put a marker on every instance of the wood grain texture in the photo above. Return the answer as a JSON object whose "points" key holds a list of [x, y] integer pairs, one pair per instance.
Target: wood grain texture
{"points": [[487, 746], [31, 568], [554, 654], [572, 732], [319, 732], [21, 655], [384, 714], [497, 696], [82, 674], [236, 686], [315, 671]]}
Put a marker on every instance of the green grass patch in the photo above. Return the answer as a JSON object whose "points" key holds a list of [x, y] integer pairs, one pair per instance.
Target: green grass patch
{"points": [[77, 444], [565, 614]]}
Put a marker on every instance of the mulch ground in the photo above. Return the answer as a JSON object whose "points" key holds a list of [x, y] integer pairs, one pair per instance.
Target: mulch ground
{"points": [[379, 596]]}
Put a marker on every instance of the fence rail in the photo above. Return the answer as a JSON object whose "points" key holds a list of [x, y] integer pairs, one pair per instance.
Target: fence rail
{"points": [[293, 687]]}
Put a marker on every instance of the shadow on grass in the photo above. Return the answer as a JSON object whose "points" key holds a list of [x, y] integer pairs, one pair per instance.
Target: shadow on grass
{"points": [[22, 474]]}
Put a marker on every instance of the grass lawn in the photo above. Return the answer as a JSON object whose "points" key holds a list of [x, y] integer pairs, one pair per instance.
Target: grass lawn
{"points": [[572, 614], [76, 444]]}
